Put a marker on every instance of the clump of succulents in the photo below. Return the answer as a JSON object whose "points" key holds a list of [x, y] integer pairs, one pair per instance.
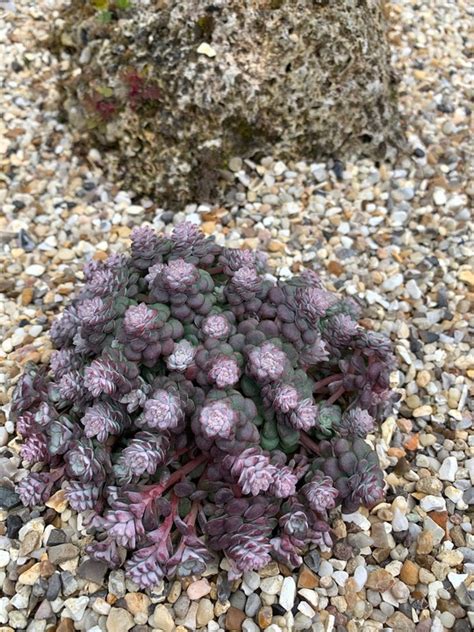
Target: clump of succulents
{"points": [[195, 405]]}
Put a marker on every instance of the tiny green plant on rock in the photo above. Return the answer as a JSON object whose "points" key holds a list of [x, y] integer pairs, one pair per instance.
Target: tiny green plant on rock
{"points": [[195, 405]]}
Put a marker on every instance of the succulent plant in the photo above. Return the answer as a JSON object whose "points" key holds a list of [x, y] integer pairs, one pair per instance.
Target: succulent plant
{"points": [[194, 405]]}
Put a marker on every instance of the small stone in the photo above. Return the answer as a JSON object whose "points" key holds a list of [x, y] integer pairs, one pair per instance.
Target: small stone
{"points": [[163, 619], [235, 164], [265, 616], [433, 503], [380, 580], [198, 589], [360, 576], [30, 542], [116, 583], [66, 254], [234, 619], [249, 626], [288, 592], [14, 524], [65, 625], [137, 603], [205, 612], [409, 573], [392, 282], [93, 571], [253, 605], [75, 607], [448, 469], [423, 378], [423, 411], [62, 553], [447, 619], [413, 290], [400, 591], [424, 543], [175, 592], [30, 576], [8, 498], [35, 270], [119, 620], [271, 585], [4, 558], [101, 606], [439, 197], [401, 623], [56, 536], [456, 579], [58, 501], [306, 578], [205, 49], [382, 538]]}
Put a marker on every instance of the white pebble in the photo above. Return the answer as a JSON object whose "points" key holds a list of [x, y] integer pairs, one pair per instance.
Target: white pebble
{"points": [[433, 503], [288, 592], [360, 576], [4, 558], [392, 282], [448, 469], [413, 289], [3, 436], [35, 270]]}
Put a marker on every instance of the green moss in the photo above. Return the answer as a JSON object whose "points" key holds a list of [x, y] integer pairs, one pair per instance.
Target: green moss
{"points": [[205, 26]]}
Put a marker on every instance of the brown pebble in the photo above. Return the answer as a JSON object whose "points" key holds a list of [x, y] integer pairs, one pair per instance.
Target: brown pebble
{"points": [[264, 617], [409, 573], [424, 544], [334, 267], [380, 580], [306, 578], [46, 568], [27, 296], [234, 619], [65, 625], [399, 622]]}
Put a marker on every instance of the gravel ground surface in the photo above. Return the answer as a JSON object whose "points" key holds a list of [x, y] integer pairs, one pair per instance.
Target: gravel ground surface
{"points": [[398, 237]]}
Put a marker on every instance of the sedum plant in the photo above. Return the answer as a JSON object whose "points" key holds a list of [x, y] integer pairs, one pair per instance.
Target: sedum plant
{"points": [[195, 405]]}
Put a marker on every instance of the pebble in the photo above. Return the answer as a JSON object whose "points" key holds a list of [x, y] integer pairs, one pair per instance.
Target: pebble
{"points": [[287, 594], [119, 620], [35, 270], [198, 589], [271, 585], [433, 503], [76, 607], [448, 469], [162, 619]]}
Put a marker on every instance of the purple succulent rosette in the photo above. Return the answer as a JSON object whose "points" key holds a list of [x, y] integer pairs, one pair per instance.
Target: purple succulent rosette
{"points": [[193, 405]]}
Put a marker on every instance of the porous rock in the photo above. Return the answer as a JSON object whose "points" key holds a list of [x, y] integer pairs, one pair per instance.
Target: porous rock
{"points": [[181, 88]]}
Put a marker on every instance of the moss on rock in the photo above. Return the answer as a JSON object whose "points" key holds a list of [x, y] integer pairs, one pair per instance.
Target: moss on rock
{"points": [[179, 88]]}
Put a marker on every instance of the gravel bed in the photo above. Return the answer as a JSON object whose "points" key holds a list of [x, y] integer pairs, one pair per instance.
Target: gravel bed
{"points": [[398, 237]]}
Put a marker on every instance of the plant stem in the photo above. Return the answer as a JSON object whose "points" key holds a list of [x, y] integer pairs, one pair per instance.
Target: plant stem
{"points": [[157, 490], [308, 443], [326, 381], [335, 396]]}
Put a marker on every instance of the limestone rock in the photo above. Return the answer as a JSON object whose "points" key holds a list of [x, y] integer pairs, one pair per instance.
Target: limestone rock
{"points": [[181, 88]]}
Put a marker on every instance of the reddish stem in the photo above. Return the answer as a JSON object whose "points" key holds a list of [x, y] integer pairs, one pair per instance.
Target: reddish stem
{"points": [[191, 517], [308, 443], [335, 396], [327, 380], [157, 490], [177, 454]]}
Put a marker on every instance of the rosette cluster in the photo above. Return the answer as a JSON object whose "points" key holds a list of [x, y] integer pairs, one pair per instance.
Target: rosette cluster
{"points": [[195, 405]]}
